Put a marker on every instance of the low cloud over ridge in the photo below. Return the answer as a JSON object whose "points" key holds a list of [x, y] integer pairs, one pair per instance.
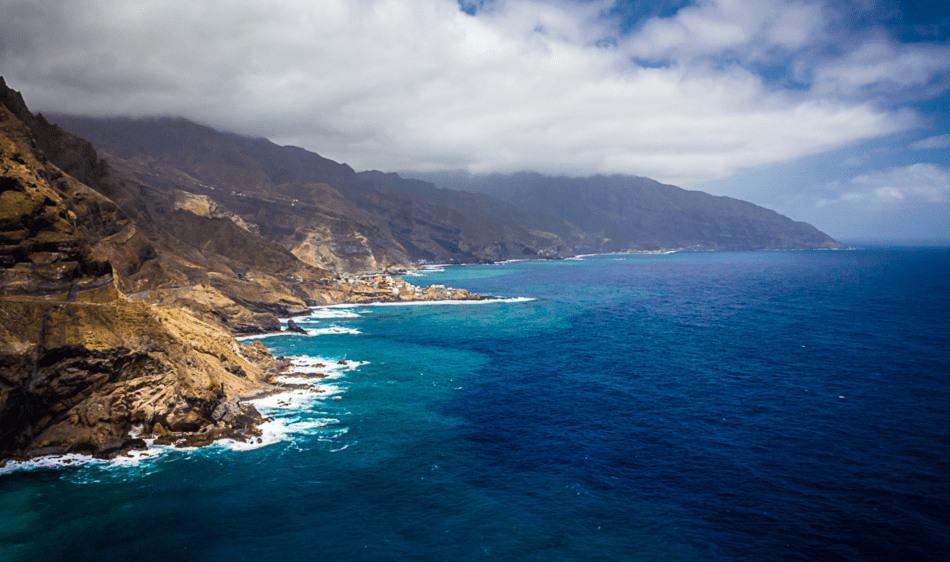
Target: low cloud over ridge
{"points": [[557, 88]]}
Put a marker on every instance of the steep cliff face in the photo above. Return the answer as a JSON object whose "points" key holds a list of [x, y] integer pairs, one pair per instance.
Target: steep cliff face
{"points": [[332, 217], [83, 368], [168, 245], [90, 377], [323, 212], [117, 299]]}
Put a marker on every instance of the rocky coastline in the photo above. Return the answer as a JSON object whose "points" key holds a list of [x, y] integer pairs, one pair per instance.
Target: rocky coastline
{"points": [[103, 398], [119, 305], [125, 280]]}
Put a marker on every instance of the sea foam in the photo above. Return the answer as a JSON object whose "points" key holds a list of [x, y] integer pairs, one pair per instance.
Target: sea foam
{"points": [[333, 331], [290, 416], [450, 301], [325, 313]]}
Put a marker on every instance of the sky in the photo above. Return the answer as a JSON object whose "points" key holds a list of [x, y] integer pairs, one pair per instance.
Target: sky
{"points": [[836, 113]]}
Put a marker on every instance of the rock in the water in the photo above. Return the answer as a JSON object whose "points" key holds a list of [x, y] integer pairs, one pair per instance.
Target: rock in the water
{"points": [[293, 327]]}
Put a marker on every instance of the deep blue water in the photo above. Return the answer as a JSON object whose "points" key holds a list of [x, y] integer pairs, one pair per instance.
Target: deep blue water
{"points": [[749, 406]]}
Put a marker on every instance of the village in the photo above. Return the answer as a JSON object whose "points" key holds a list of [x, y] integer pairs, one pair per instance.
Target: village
{"points": [[385, 288]]}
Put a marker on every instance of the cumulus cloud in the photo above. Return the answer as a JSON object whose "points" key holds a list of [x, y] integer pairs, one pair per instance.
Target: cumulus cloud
{"points": [[882, 66], [401, 84], [918, 183], [939, 141], [710, 27]]}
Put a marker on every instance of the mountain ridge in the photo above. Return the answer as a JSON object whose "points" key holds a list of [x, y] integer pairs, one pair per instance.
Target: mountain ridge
{"points": [[376, 220], [637, 213], [321, 211]]}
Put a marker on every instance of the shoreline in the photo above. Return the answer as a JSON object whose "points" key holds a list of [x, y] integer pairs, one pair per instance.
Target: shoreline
{"points": [[295, 382], [281, 395], [137, 447]]}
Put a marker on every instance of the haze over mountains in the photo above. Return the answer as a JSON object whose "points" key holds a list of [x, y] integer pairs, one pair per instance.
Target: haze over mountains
{"points": [[325, 213]]}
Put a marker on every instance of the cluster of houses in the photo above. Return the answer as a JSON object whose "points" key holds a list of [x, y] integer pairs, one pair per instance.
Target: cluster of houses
{"points": [[400, 290]]}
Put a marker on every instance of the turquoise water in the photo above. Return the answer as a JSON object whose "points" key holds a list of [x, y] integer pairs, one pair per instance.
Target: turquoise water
{"points": [[692, 406]]}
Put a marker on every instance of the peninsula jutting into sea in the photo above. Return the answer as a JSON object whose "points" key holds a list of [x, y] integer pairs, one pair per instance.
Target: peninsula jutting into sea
{"points": [[130, 262]]}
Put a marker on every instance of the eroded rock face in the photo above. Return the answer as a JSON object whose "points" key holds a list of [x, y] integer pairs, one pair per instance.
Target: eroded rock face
{"points": [[209, 305], [82, 367], [116, 308], [90, 377], [325, 213], [41, 250]]}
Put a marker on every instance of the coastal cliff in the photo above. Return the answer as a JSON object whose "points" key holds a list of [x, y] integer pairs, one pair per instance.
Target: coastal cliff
{"points": [[82, 367], [118, 303], [621, 213], [124, 279], [323, 212]]}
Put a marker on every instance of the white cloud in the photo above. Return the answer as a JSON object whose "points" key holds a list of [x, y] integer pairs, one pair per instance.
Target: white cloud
{"points": [[401, 84], [710, 27], [882, 66], [918, 183], [940, 141]]}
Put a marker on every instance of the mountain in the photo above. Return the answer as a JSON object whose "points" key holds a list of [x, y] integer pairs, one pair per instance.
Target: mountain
{"points": [[84, 368], [122, 282], [323, 212], [331, 217], [619, 213], [128, 262]]}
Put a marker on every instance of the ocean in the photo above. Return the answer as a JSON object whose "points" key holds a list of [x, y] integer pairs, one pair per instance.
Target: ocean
{"points": [[700, 406]]}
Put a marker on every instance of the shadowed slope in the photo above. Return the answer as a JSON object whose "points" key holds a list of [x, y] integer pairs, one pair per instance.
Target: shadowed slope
{"points": [[625, 212]]}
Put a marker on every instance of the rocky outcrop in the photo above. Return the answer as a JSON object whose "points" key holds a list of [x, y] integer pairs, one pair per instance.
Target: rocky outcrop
{"points": [[42, 251], [93, 377], [82, 367], [171, 246]]}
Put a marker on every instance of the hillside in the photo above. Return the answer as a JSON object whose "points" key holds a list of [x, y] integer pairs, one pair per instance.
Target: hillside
{"points": [[619, 213], [126, 263], [83, 368], [332, 217], [323, 212], [118, 299]]}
